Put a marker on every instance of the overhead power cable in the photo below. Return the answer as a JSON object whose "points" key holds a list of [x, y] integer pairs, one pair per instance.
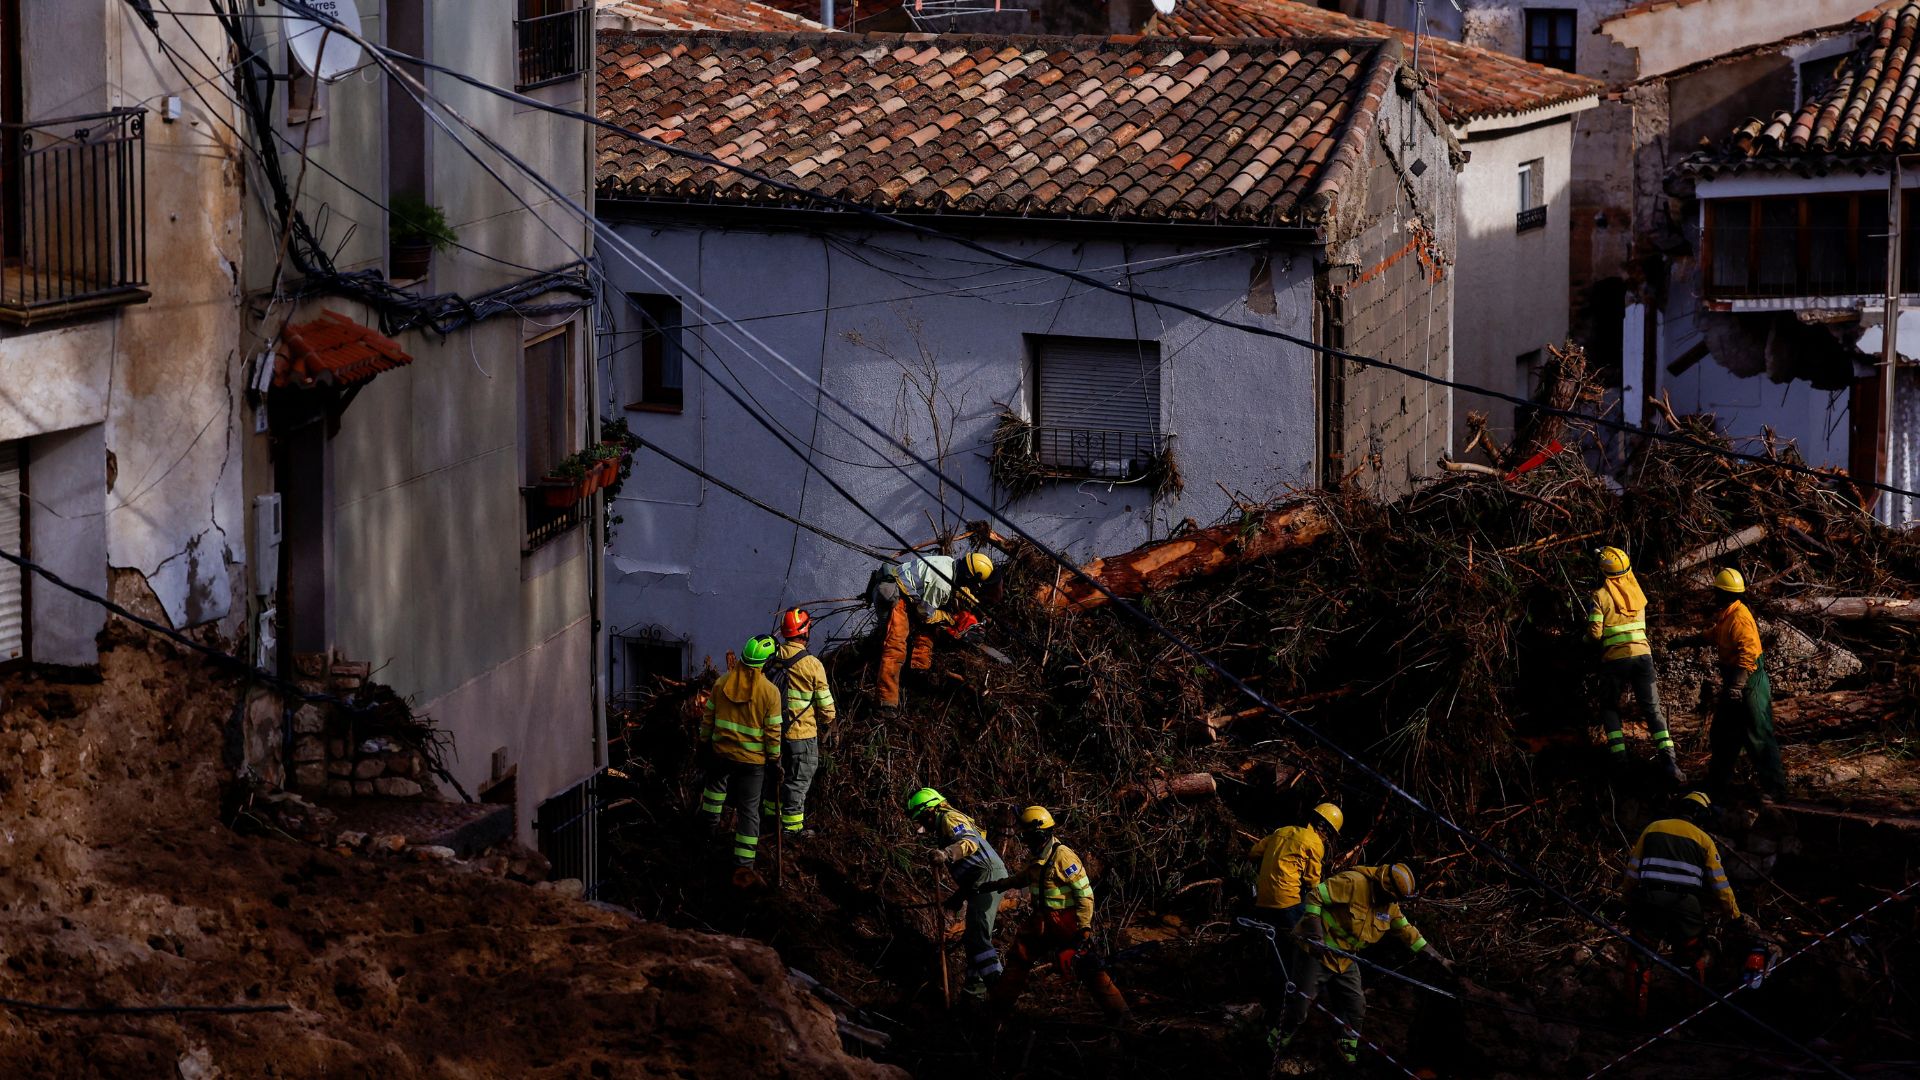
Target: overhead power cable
{"points": [[637, 258], [857, 548]]}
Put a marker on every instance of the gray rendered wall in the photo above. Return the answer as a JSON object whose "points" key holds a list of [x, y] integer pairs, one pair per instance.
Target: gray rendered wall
{"points": [[701, 564], [67, 477]]}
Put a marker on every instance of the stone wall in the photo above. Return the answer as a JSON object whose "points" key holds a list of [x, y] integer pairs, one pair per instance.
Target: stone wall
{"points": [[336, 751]]}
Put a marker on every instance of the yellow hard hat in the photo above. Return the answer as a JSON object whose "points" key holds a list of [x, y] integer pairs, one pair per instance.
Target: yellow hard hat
{"points": [[1698, 798], [1614, 562], [1399, 880], [1331, 814], [1036, 817], [979, 566], [1729, 580]]}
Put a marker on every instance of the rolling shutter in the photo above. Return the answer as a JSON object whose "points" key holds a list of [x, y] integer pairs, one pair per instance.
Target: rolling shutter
{"points": [[12, 583], [1098, 383]]}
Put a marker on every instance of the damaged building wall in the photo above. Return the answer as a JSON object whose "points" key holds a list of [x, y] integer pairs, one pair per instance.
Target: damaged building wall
{"points": [[416, 536], [127, 415], [1388, 293], [692, 564]]}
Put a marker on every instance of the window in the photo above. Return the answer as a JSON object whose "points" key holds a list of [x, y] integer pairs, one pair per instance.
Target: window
{"points": [[550, 35], [13, 584], [1823, 244], [650, 660], [659, 359], [1550, 37], [1532, 204], [547, 433], [306, 95], [1097, 406]]}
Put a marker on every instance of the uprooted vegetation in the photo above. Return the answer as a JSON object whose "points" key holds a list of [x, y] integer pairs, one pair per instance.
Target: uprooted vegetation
{"points": [[1440, 639]]}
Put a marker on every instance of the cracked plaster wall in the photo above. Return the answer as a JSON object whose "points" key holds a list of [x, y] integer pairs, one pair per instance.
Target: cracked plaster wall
{"points": [[160, 375]]}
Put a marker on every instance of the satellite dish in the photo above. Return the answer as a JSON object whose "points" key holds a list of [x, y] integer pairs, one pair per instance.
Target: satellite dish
{"points": [[326, 53], [1164, 7]]}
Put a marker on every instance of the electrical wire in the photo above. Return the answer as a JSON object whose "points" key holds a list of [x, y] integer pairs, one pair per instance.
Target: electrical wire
{"points": [[637, 258]]}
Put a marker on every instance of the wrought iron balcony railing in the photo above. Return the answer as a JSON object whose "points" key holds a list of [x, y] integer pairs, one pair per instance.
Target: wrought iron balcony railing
{"points": [[73, 192], [1532, 218], [552, 47], [1098, 453]]}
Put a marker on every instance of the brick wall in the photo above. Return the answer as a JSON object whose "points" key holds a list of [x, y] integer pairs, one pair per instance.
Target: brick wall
{"points": [[1388, 293]]}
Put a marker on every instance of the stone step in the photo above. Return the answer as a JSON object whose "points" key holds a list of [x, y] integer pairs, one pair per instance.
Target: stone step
{"points": [[467, 828]]}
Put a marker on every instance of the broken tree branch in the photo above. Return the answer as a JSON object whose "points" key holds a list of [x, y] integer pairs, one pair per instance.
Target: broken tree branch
{"points": [[1854, 608], [1752, 534]]}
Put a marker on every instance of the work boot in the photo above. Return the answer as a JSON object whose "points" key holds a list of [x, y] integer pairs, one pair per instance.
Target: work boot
{"points": [[747, 878], [975, 988], [1670, 768]]}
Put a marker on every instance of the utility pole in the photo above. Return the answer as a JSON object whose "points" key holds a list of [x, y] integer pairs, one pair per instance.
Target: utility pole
{"points": [[1889, 354]]}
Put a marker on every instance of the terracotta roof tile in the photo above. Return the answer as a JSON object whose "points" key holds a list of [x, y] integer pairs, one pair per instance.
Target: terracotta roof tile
{"points": [[696, 15], [333, 350], [1868, 108], [1113, 128], [1467, 83]]}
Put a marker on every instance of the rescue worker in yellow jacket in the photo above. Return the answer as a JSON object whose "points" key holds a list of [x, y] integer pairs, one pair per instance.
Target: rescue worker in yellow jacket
{"points": [[1743, 718], [971, 860], [809, 703], [1673, 873], [912, 594], [1059, 926], [1348, 912], [739, 736], [1289, 865], [1617, 621]]}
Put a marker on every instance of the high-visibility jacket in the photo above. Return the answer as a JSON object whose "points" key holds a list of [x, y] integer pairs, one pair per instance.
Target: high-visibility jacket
{"points": [[1058, 882], [809, 698], [1737, 638], [1289, 865], [1617, 618], [964, 847], [742, 720], [927, 580], [1355, 911], [1674, 854]]}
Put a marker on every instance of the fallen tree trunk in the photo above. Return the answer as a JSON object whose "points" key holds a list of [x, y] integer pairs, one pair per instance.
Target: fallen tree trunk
{"points": [[1752, 534], [1196, 555], [1854, 608]]}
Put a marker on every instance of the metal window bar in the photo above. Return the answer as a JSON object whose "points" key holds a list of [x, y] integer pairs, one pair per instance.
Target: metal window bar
{"points": [[552, 47], [1534, 217], [1098, 453], [546, 524], [79, 200], [568, 829]]}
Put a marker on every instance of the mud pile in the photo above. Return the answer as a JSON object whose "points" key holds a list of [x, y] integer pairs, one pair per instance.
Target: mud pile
{"points": [[120, 887]]}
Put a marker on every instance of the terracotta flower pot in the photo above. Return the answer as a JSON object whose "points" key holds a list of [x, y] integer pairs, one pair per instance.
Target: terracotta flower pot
{"points": [[409, 260], [609, 472]]}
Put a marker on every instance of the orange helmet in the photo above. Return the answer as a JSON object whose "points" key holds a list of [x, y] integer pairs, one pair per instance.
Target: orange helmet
{"points": [[795, 624]]}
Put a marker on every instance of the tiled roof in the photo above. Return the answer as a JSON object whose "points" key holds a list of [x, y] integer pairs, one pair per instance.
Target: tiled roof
{"points": [[1229, 132], [333, 350], [1647, 7], [1868, 111], [1468, 83], [696, 15]]}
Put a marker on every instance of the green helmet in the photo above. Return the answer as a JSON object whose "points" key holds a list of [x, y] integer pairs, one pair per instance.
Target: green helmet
{"points": [[923, 800], [758, 650]]}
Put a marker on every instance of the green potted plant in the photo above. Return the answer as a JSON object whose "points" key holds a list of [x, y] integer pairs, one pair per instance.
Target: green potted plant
{"points": [[415, 230], [570, 481]]}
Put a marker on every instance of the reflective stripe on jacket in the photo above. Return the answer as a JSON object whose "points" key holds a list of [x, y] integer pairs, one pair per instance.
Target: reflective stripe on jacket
{"points": [[809, 699], [927, 580], [1289, 864], [964, 845], [1737, 638], [1353, 909], [742, 720], [1674, 854], [1059, 882], [1617, 618]]}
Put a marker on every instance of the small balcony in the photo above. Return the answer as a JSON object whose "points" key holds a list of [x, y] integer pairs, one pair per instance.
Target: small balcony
{"points": [[73, 194], [1098, 453], [546, 522], [1534, 217], [552, 48]]}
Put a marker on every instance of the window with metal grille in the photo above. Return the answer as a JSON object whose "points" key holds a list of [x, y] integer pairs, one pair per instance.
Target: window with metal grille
{"points": [[551, 38], [1097, 406], [1532, 205], [546, 433], [1550, 37], [657, 342], [13, 582]]}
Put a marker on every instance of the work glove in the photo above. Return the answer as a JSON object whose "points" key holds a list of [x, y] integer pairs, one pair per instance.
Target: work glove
{"points": [[1752, 927], [958, 900], [1084, 939], [1732, 693], [967, 597], [1446, 965], [962, 623]]}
